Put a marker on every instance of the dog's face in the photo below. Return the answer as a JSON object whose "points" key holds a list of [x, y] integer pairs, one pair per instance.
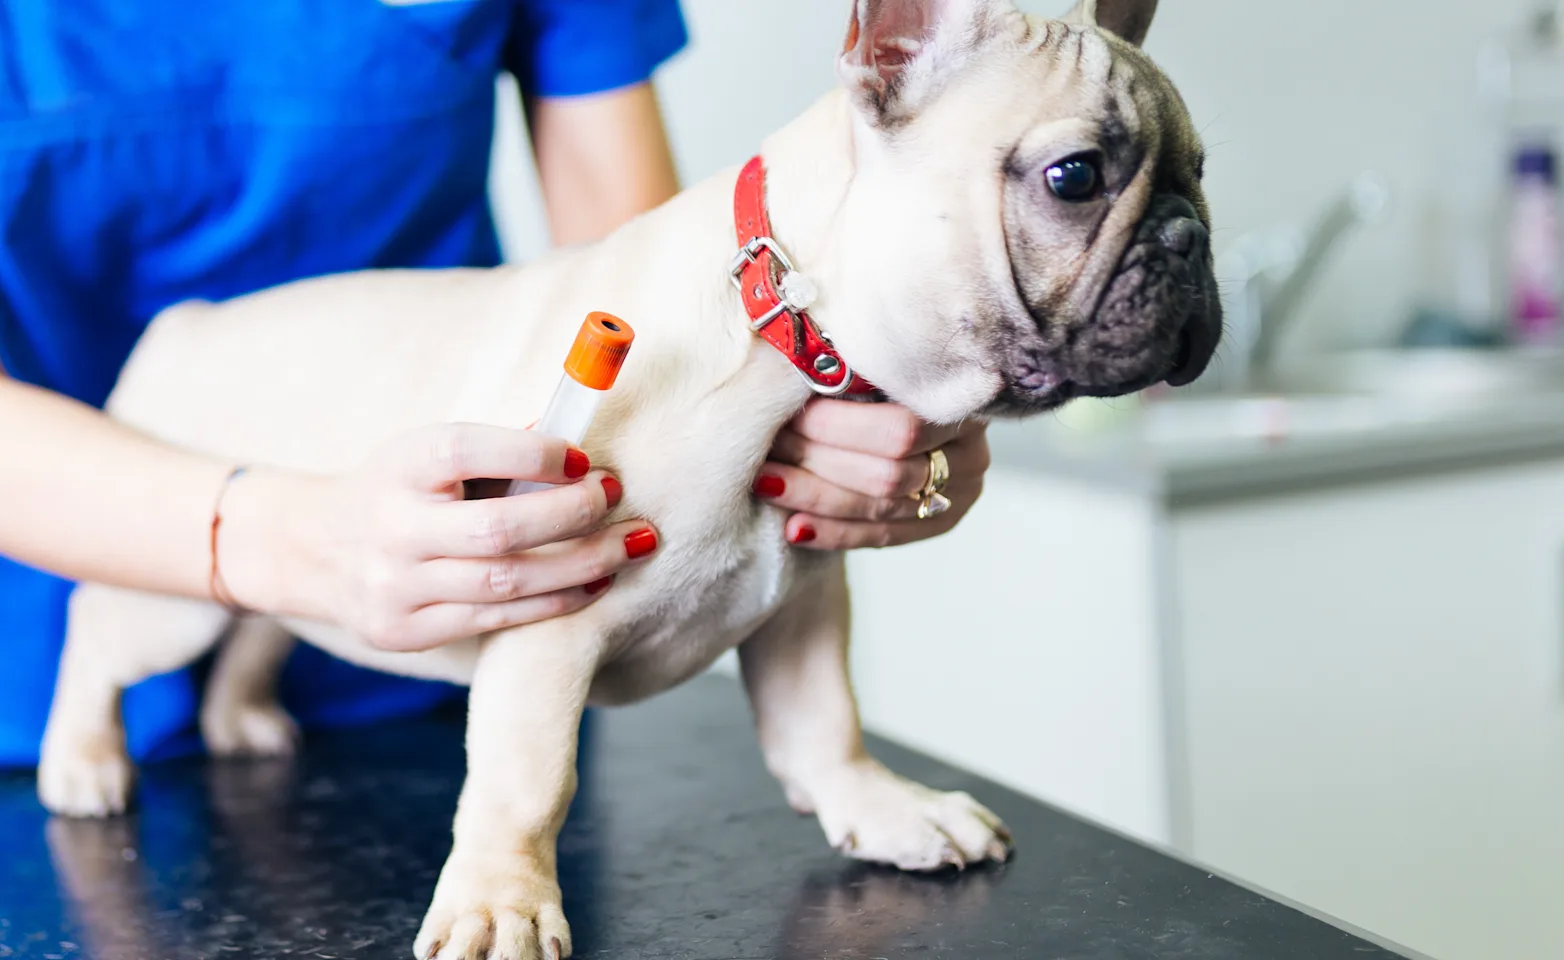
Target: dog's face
{"points": [[1028, 201]]}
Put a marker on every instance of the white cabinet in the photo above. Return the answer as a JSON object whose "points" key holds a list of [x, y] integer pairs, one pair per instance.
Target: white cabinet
{"points": [[1352, 697], [1370, 713], [1023, 646]]}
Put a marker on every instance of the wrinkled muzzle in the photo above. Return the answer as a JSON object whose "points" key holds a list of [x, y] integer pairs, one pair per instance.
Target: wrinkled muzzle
{"points": [[1159, 317]]}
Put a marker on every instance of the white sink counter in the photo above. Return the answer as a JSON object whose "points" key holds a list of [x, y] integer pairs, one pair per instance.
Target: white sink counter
{"points": [[1202, 450]]}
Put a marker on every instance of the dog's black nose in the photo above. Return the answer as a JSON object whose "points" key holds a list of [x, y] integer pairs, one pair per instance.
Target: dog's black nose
{"points": [[1185, 236]]}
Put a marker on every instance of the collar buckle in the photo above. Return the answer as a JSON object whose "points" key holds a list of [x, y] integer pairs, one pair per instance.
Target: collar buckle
{"points": [[750, 253], [781, 291], [795, 292]]}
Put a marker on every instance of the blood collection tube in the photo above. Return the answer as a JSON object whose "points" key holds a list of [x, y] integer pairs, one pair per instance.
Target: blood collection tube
{"points": [[590, 370]]}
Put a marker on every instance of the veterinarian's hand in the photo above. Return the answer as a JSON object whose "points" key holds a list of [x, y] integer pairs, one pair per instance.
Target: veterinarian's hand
{"points": [[850, 470], [399, 554]]}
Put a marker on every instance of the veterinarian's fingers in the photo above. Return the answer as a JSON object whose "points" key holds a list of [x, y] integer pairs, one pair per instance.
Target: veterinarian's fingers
{"points": [[968, 459], [879, 429], [501, 526], [868, 474], [439, 458], [827, 533], [799, 490], [823, 533], [571, 563], [442, 623]]}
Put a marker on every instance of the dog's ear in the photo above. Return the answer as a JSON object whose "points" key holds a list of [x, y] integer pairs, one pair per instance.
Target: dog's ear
{"points": [[898, 53], [1130, 19]]}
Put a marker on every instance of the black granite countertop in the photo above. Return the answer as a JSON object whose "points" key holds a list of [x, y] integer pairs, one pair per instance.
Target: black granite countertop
{"points": [[679, 848]]}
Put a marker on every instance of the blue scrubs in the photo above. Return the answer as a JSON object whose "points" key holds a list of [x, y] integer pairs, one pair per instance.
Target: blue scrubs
{"points": [[157, 151]]}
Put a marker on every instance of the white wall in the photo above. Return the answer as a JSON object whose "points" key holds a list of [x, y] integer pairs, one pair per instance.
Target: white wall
{"points": [[1294, 99]]}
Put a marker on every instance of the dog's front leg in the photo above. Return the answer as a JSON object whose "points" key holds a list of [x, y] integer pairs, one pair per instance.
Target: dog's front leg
{"points": [[498, 896], [795, 669]]}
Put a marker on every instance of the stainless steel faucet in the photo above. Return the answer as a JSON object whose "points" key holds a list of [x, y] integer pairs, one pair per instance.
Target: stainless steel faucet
{"points": [[1267, 274]]}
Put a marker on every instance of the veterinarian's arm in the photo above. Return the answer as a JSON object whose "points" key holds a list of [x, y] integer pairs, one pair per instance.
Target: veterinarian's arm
{"points": [[602, 159], [90, 499], [851, 471], [392, 552]]}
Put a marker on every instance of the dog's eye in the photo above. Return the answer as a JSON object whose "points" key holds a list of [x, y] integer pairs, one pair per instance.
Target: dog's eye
{"points": [[1075, 180]]}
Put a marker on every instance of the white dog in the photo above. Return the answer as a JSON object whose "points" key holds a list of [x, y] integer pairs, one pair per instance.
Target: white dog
{"points": [[999, 212]]}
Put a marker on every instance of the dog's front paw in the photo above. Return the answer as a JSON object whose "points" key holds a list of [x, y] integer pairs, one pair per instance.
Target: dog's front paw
{"points": [[869, 813], [86, 776], [500, 916]]}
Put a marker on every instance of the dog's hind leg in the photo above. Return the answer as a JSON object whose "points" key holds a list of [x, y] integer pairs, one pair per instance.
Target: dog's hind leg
{"points": [[114, 638], [240, 715], [795, 670]]}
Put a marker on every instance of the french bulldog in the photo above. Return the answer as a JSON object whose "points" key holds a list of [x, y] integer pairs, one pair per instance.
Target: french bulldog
{"points": [[998, 213]]}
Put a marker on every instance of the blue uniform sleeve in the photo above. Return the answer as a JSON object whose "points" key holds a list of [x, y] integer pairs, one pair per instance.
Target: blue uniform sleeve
{"points": [[564, 48]]}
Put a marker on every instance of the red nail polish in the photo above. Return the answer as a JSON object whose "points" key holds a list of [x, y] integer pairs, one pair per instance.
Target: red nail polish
{"points": [[640, 543], [598, 586], [804, 534], [576, 464], [769, 486], [614, 490]]}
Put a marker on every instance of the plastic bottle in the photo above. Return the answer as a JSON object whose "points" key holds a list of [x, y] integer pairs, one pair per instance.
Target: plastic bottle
{"points": [[1535, 254], [590, 371], [1521, 74]]}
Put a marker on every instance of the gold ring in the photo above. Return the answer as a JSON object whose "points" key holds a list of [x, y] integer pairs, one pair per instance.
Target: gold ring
{"points": [[931, 499]]}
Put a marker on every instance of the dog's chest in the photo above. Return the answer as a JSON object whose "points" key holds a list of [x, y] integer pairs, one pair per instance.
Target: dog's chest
{"points": [[696, 602]]}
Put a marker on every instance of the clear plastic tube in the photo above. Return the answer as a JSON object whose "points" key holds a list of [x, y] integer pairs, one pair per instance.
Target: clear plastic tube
{"points": [[568, 417], [591, 368]]}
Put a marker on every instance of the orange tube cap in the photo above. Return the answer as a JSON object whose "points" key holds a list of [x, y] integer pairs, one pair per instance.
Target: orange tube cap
{"points": [[599, 351]]}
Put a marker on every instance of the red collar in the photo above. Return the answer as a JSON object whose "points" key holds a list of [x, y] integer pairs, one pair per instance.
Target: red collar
{"points": [[772, 290]]}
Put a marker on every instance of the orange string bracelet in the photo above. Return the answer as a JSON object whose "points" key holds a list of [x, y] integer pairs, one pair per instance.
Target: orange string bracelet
{"points": [[218, 587]]}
